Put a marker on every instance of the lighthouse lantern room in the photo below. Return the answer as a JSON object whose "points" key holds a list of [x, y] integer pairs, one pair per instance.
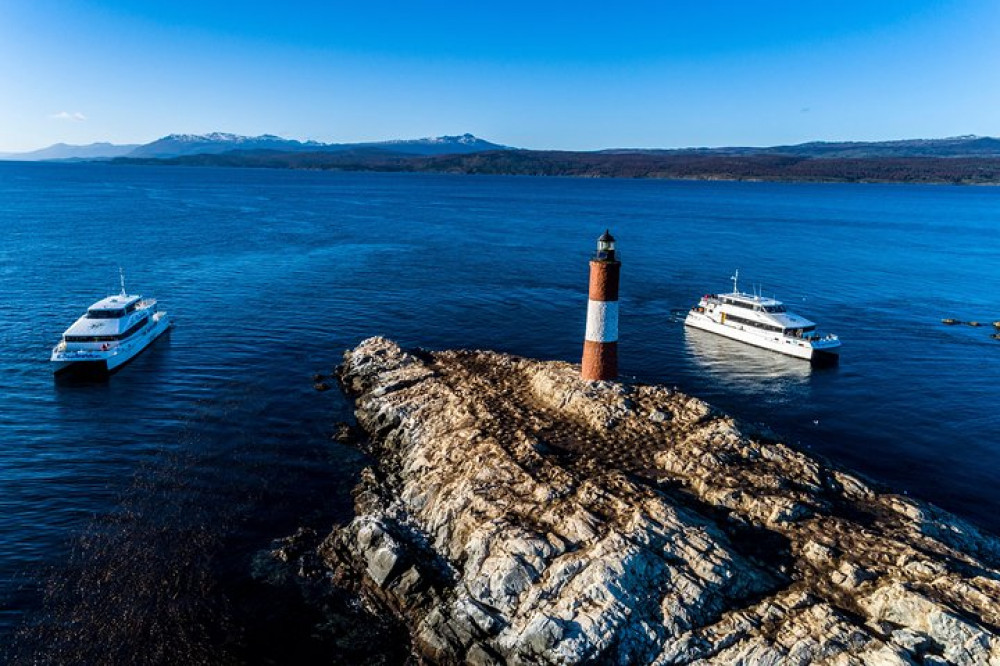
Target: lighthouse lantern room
{"points": [[606, 246]]}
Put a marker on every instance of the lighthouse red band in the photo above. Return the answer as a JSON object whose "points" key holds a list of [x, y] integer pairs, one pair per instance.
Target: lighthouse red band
{"points": [[600, 345]]}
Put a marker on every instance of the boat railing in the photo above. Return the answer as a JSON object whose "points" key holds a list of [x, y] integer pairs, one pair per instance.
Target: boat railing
{"points": [[78, 353], [105, 350], [813, 337]]}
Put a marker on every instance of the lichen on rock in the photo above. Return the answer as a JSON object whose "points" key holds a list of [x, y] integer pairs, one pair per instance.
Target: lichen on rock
{"points": [[516, 514]]}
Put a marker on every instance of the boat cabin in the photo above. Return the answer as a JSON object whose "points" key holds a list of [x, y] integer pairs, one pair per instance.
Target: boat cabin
{"points": [[113, 307], [769, 315], [753, 303]]}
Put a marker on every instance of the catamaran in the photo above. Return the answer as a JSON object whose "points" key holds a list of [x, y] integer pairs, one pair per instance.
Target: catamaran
{"points": [[113, 331], [763, 322]]}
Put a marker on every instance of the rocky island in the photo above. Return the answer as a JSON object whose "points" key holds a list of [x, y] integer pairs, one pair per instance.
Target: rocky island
{"points": [[515, 514]]}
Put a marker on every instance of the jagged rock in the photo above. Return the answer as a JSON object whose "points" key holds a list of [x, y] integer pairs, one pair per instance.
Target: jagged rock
{"points": [[518, 515], [911, 641], [850, 576], [658, 416], [344, 433], [962, 642]]}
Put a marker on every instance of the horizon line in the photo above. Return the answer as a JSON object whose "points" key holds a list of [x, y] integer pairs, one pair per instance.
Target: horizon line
{"points": [[970, 136]]}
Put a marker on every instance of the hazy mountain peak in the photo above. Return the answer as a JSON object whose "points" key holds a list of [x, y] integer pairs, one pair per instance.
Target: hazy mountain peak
{"points": [[66, 151]]}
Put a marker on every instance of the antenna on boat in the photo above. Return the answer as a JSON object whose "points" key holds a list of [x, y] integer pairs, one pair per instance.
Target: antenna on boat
{"points": [[121, 275], [734, 278]]}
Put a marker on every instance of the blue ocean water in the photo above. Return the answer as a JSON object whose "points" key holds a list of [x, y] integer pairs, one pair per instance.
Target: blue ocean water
{"points": [[172, 474]]}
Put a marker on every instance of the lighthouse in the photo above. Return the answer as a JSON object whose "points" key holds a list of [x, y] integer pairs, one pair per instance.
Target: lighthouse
{"points": [[600, 344]]}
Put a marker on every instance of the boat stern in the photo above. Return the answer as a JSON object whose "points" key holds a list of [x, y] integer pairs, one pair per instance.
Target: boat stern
{"points": [[63, 359], [826, 350]]}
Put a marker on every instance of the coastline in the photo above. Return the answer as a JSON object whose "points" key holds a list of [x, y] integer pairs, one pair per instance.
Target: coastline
{"points": [[740, 168], [515, 514]]}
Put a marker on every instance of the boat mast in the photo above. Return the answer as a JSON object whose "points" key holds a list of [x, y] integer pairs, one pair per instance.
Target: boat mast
{"points": [[121, 275], [734, 278]]}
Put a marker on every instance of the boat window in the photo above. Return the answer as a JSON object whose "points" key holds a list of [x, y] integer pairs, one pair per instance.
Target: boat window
{"points": [[105, 314], [142, 322], [774, 308], [755, 324], [90, 338], [132, 307]]}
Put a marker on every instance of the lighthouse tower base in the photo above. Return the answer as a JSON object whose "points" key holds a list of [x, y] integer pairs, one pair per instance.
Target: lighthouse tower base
{"points": [[600, 361]]}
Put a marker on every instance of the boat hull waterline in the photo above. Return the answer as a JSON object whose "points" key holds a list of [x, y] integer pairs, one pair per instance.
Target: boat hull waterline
{"points": [[818, 351]]}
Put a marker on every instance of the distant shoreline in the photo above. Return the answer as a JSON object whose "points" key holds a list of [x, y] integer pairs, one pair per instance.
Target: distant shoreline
{"points": [[749, 168]]}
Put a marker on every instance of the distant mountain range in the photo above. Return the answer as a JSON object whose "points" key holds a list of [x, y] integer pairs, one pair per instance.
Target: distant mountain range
{"points": [[178, 145], [962, 159], [957, 146]]}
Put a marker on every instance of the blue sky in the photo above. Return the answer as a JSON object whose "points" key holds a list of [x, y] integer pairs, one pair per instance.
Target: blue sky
{"points": [[568, 75]]}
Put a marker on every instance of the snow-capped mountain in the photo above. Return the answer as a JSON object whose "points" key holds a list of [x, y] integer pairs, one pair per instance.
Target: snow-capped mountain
{"points": [[176, 145], [438, 145]]}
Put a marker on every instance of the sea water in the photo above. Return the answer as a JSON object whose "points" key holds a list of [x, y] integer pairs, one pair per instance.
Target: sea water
{"points": [[154, 491]]}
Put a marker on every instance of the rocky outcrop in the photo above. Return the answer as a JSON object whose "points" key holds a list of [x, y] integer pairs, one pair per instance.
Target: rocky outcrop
{"points": [[519, 515]]}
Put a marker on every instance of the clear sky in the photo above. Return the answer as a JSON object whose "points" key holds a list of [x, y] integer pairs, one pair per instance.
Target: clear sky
{"points": [[569, 75]]}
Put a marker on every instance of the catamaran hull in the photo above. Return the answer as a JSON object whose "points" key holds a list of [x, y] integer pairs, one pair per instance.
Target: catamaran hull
{"points": [[820, 352], [81, 368], [104, 362]]}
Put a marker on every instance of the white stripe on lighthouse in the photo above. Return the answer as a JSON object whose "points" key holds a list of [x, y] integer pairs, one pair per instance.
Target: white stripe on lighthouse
{"points": [[602, 321]]}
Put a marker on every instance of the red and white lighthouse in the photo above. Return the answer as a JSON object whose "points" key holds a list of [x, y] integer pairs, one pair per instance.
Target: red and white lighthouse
{"points": [[600, 345]]}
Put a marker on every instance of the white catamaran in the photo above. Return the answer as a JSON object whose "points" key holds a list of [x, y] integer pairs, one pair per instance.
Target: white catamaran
{"points": [[763, 322], [112, 332]]}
